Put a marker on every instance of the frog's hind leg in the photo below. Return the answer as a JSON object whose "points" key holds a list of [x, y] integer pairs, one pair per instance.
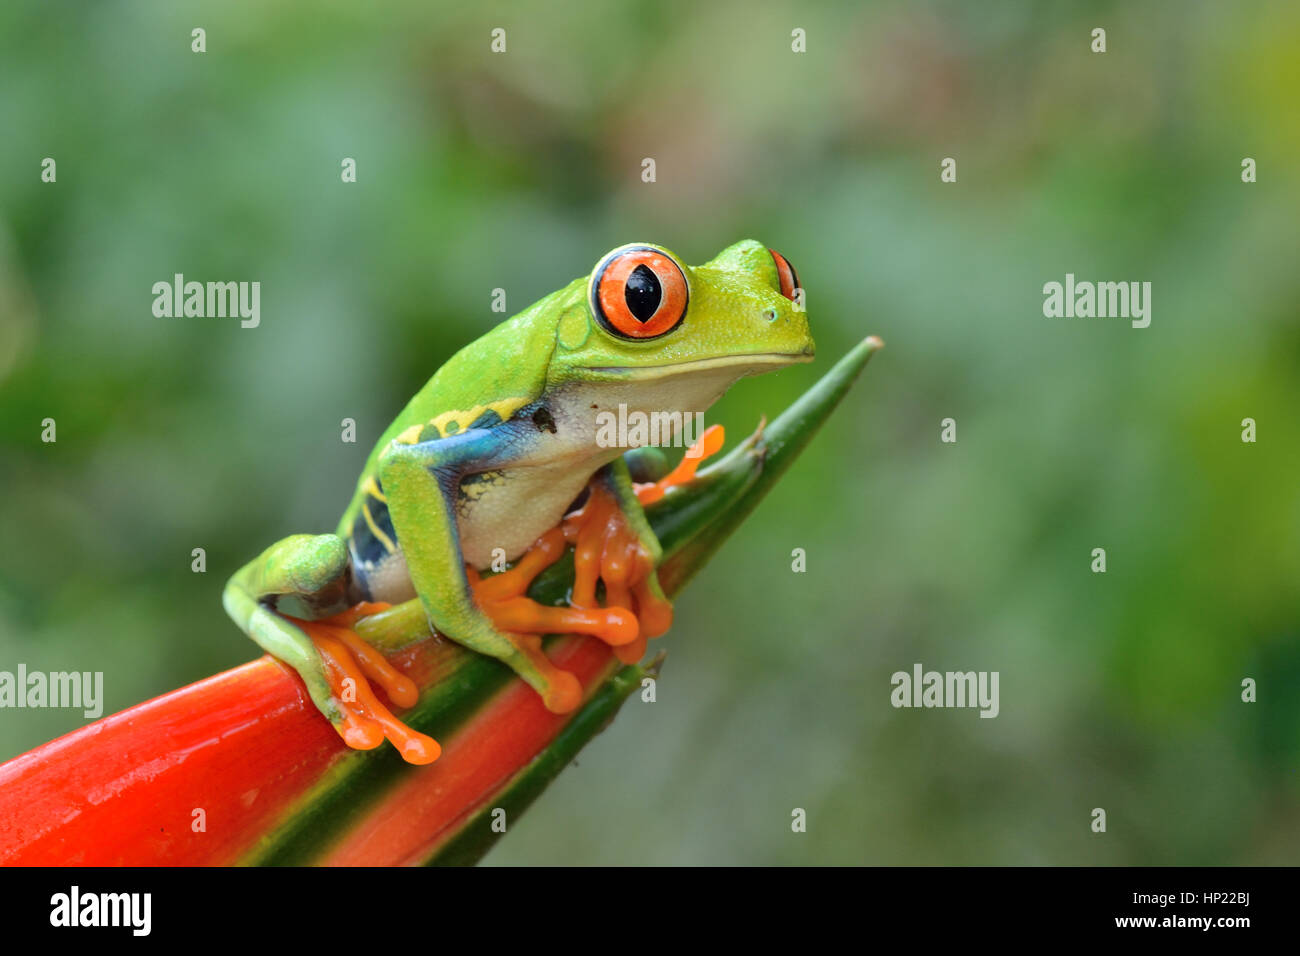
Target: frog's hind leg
{"points": [[298, 566], [293, 601]]}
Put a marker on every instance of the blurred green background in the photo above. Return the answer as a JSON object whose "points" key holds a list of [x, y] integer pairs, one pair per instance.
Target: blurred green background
{"points": [[476, 171]]}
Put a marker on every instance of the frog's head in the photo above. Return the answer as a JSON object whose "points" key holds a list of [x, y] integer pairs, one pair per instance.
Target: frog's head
{"points": [[648, 317]]}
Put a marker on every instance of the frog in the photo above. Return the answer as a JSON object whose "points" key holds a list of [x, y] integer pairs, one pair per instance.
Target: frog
{"points": [[498, 465]]}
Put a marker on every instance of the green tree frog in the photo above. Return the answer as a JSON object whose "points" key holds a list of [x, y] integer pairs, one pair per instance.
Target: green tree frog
{"points": [[489, 463]]}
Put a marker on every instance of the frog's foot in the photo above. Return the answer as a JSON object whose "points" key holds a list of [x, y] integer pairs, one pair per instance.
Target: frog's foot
{"points": [[502, 598], [607, 549], [351, 664], [522, 621], [708, 445]]}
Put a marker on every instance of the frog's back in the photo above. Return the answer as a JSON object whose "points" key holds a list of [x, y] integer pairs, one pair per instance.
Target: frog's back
{"points": [[480, 386]]}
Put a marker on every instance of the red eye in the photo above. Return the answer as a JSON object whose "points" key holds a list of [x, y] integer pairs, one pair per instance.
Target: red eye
{"points": [[638, 292], [789, 278]]}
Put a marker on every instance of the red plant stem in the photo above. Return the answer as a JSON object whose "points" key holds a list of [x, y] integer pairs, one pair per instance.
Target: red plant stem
{"points": [[433, 801], [238, 746]]}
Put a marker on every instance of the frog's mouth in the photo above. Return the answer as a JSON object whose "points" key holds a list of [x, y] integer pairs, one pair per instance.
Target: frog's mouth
{"points": [[758, 361]]}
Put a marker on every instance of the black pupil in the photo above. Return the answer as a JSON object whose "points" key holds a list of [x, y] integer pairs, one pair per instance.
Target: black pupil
{"points": [[643, 293]]}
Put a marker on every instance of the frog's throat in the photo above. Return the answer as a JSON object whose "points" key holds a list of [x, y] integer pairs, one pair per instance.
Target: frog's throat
{"points": [[756, 362]]}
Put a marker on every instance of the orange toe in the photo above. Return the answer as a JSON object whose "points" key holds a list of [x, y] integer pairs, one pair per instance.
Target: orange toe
{"points": [[606, 553], [520, 615], [351, 665], [708, 444], [631, 653], [565, 693]]}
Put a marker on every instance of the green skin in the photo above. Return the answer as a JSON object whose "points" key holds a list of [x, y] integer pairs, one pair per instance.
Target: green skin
{"points": [[493, 450]]}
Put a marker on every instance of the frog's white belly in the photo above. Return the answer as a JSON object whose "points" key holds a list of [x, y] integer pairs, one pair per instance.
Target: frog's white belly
{"points": [[510, 510], [511, 507]]}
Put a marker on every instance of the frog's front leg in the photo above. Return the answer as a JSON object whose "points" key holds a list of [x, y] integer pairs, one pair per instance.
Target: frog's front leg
{"points": [[613, 545], [421, 480]]}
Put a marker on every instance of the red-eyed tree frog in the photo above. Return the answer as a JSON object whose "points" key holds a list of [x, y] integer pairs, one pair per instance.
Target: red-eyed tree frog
{"points": [[486, 464]]}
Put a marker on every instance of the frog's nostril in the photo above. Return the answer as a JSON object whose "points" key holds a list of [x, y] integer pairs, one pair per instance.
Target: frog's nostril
{"points": [[769, 314]]}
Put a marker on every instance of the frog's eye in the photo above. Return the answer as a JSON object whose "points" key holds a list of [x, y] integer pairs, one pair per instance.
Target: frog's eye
{"points": [[637, 292], [789, 278]]}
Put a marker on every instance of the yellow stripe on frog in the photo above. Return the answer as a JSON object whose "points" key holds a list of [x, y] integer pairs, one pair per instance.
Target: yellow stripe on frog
{"points": [[504, 408], [371, 488], [376, 530]]}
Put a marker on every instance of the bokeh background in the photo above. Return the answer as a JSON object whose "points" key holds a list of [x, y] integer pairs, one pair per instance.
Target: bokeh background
{"points": [[476, 171]]}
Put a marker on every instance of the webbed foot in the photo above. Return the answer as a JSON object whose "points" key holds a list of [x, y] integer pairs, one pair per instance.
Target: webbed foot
{"points": [[522, 621], [608, 550], [350, 666], [708, 445]]}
